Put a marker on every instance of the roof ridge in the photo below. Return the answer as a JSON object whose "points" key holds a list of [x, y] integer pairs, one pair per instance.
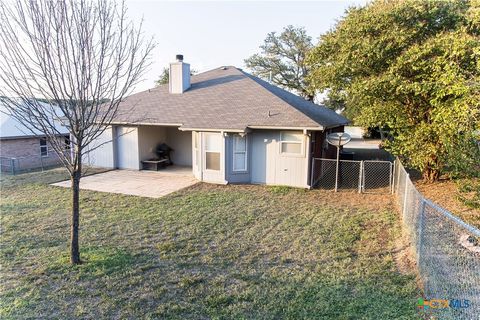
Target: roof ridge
{"points": [[265, 84], [255, 78], [213, 69], [193, 75]]}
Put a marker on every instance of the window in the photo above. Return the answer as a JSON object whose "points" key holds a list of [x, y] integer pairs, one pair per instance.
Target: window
{"points": [[291, 142], [213, 146], [239, 153], [67, 142], [43, 147]]}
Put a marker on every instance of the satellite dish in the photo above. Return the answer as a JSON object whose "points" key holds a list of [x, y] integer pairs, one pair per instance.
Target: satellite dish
{"points": [[338, 138]]}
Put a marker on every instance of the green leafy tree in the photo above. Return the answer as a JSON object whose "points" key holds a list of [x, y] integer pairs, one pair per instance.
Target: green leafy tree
{"points": [[283, 60], [165, 76], [412, 67]]}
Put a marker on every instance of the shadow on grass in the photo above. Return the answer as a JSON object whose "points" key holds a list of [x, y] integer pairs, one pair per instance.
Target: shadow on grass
{"points": [[96, 261]]}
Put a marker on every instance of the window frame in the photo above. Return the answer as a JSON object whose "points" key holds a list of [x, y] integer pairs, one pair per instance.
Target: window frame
{"points": [[42, 153], [235, 152], [301, 154], [68, 143]]}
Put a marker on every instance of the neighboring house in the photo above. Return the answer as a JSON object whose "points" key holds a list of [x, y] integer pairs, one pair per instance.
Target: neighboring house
{"points": [[228, 125], [21, 149]]}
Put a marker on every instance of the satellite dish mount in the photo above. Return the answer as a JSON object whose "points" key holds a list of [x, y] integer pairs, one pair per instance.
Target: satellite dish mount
{"points": [[338, 139]]}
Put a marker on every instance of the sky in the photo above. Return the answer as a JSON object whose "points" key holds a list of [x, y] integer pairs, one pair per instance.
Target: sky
{"points": [[217, 33]]}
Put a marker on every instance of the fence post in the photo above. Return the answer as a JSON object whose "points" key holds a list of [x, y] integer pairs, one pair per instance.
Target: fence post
{"points": [[407, 177], [12, 165], [391, 178], [311, 174], [361, 174], [399, 165], [337, 168], [420, 229]]}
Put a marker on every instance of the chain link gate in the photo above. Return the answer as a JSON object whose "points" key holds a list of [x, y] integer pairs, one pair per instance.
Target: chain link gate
{"points": [[377, 176], [369, 176]]}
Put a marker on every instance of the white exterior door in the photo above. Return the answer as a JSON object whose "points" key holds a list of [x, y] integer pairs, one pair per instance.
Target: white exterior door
{"points": [[196, 154], [213, 157], [127, 148]]}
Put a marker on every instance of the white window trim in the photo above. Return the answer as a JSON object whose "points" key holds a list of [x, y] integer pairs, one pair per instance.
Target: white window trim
{"points": [[240, 152], [45, 146], [287, 154]]}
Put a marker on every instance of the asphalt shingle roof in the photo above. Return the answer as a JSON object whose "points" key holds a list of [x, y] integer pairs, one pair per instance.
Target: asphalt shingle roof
{"points": [[228, 99]]}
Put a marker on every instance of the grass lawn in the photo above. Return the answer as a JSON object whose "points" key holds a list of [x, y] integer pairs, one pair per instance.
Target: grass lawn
{"points": [[223, 252]]}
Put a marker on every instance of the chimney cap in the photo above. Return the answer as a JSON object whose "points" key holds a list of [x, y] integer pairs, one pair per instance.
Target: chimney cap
{"points": [[179, 57]]}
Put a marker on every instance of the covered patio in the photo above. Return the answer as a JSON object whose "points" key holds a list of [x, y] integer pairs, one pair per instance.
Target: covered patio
{"points": [[152, 184]]}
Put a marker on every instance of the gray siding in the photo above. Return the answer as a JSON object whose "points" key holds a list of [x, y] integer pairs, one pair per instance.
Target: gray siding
{"points": [[269, 166]]}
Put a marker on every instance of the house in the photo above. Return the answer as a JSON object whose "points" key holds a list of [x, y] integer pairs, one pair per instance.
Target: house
{"points": [[22, 149], [227, 125]]}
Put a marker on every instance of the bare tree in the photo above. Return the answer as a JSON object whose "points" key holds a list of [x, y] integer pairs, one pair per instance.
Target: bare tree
{"points": [[82, 57]]}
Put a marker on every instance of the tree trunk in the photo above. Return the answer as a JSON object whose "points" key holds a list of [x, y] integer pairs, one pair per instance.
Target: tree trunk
{"points": [[431, 172], [431, 175], [74, 246]]}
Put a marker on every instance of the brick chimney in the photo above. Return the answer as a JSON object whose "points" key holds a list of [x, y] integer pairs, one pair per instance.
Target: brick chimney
{"points": [[179, 77]]}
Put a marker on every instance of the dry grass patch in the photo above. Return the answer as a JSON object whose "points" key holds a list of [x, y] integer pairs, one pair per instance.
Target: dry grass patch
{"points": [[456, 197]]}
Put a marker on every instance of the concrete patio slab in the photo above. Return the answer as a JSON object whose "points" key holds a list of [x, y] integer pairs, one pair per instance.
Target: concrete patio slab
{"points": [[152, 184]]}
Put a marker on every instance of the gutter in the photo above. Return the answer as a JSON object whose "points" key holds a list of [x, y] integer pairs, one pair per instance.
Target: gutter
{"points": [[319, 128], [147, 124], [211, 130]]}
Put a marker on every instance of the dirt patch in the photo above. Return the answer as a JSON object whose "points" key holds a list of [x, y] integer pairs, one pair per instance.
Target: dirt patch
{"points": [[404, 255], [342, 199], [445, 193]]}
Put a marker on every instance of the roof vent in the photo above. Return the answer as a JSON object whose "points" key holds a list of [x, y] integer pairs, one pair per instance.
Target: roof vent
{"points": [[179, 57], [224, 68]]}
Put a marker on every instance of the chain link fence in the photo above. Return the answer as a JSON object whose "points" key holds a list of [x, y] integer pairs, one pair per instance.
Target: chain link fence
{"points": [[368, 176], [448, 259], [14, 165]]}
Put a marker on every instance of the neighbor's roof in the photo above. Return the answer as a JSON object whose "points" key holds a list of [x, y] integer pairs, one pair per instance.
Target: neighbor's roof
{"points": [[228, 99], [10, 128]]}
